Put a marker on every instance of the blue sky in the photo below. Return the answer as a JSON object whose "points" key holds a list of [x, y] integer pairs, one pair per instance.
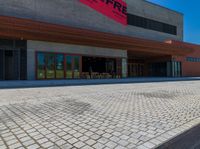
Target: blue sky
{"points": [[191, 11]]}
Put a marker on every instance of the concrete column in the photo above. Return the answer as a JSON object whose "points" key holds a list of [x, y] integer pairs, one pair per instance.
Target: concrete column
{"points": [[124, 68], [30, 64]]}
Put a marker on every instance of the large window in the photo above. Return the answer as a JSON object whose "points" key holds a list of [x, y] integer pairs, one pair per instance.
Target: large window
{"points": [[151, 24], [193, 59], [76, 67], [57, 66], [50, 66], [41, 66], [69, 72]]}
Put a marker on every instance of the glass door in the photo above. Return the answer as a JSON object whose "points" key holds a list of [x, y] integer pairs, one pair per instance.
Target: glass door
{"points": [[69, 66], [41, 66], [50, 66], [2, 64], [76, 67], [59, 66]]}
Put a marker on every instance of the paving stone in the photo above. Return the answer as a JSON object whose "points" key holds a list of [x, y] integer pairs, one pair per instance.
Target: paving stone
{"points": [[67, 137], [123, 143], [34, 146], [95, 137], [103, 140], [14, 146], [98, 146], [90, 142], [43, 140], [79, 144], [107, 135], [87, 147], [66, 146], [126, 115], [13, 141], [149, 145], [25, 139], [100, 132], [120, 147], [111, 144], [83, 138], [131, 146], [28, 143], [114, 138], [142, 147], [9, 138], [72, 140], [124, 137], [47, 144], [60, 142], [77, 135]]}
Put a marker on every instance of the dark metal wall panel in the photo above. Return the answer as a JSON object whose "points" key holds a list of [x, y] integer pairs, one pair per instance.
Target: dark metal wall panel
{"points": [[16, 66], [1, 64], [19, 50], [23, 64]]}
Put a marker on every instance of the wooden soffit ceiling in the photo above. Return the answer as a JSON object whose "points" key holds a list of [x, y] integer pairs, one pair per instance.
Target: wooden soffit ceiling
{"points": [[18, 28]]}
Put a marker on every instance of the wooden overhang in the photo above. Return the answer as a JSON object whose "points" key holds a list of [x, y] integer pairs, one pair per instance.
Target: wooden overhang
{"points": [[19, 28], [183, 44]]}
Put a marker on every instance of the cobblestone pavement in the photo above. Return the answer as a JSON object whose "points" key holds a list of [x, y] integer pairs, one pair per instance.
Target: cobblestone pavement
{"points": [[119, 116]]}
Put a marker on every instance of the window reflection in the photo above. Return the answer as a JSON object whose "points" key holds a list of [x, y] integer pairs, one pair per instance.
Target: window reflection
{"points": [[59, 66], [69, 67], [40, 66], [50, 66], [76, 67]]}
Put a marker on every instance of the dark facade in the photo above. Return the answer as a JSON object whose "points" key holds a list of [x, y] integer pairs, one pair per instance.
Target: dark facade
{"points": [[13, 59]]}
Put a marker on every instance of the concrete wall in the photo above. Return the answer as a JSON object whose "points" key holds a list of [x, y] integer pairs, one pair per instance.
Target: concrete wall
{"points": [[33, 46], [73, 13]]}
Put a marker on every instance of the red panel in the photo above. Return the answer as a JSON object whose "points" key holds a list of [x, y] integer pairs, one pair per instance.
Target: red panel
{"points": [[115, 9], [190, 69]]}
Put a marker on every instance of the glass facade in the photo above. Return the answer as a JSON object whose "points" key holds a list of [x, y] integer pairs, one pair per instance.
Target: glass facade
{"points": [[50, 66], [41, 66], [69, 66], [57, 66], [176, 69], [151, 24], [192, 59], [76, 67], [101, 67]]}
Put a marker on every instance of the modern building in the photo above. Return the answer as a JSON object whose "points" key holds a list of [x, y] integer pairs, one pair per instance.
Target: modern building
{"points": [[70, 39]]}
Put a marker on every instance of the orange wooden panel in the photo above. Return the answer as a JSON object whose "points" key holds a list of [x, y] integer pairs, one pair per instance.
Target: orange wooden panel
{"points": [[18, 28]]}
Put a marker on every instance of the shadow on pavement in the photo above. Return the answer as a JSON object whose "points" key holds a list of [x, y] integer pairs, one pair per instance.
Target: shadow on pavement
{"points": [[187, 140]]}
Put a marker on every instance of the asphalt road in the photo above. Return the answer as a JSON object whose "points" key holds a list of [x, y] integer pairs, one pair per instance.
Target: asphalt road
{"points": [[188, 140]]}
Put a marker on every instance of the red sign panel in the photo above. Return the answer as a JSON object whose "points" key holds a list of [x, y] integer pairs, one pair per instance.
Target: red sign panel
{"points": [[115, 9]]}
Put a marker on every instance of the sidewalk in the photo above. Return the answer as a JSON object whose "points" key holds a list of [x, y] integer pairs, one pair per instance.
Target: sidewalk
{"points": [[47, 83]]}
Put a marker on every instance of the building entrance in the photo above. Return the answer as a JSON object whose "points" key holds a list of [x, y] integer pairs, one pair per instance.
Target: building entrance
{"points": [[13, 59], [10, 65], [135, 70], [100, 67], [154, 67]]}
